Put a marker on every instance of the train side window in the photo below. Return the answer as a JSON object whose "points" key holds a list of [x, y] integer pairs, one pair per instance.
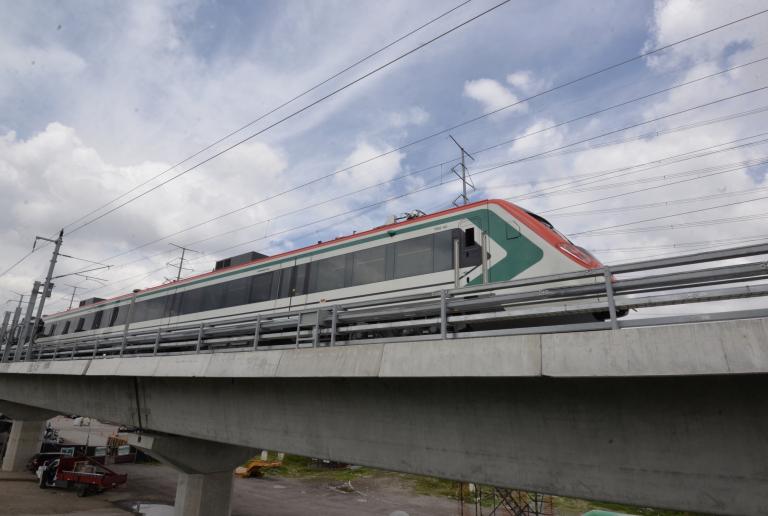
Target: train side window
{"points": [[213, 296], [261, 288], [87, 322], [414, 256], [389, 252], [80, 323], [172, 307], [122, 315], [286, 282], [329, 273], [238, 291], [443, 253], [302, 277], [113, 316], [191, 301], [52, 330], [97, 320], [156, 308], [66, 327], [369, 266]]}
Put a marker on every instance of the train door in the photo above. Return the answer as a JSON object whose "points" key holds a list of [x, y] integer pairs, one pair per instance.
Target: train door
{"points": [[291, 285], [283, 285]]}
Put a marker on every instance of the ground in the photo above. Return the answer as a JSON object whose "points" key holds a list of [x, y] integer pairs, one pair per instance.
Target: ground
{"points": [[299, 487], [271, 495]]}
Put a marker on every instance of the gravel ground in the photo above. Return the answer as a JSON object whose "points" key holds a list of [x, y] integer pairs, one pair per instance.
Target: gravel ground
{"points": [[255, 496]]}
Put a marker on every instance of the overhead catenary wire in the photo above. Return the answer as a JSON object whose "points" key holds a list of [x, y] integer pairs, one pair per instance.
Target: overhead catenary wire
{"points": [[667, 203], [443, 131], [274, 109], [622, 194], [290, 116], [683, 225], [546, 91], [520, 160], [662, 217], [526, 135]]}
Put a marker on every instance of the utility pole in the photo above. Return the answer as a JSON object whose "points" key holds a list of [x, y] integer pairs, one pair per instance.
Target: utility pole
{"points": [[181, 261], [3, 334], [12, 329], [72, 298], [26, 322], [465, 179], [47, 286]]}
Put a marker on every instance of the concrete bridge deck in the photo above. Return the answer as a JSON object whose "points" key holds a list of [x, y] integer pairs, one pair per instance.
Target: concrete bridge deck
{"points": [[673, 416]]}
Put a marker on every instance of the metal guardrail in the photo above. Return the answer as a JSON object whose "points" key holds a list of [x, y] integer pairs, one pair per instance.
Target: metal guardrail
{"points": [[546, 304]]}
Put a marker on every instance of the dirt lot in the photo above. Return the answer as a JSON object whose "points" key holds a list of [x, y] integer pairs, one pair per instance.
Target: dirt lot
{"points": [[265, 496]]}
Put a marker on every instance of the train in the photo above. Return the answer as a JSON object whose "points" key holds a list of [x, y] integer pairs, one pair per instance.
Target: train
{"points": [[421, 253]]}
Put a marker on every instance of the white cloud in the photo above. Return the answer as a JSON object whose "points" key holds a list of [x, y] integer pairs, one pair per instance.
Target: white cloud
{"points": [[414, 115], [491, 94], [525, 82]]}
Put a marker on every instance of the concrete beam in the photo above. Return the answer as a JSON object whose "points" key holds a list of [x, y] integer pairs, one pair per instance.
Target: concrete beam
{"points": [[695, 443], [205, 471], [19, 411], [712, 348]]}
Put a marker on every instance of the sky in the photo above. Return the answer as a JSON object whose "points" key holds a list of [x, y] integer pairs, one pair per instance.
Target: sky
{"points": [[97, 98]]}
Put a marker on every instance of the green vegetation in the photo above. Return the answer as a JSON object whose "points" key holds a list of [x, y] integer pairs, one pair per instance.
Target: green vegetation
{"points": [[302, 467]]}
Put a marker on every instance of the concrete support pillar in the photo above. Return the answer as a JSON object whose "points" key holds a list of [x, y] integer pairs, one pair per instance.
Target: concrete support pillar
{"points": [[199, 494], [23, 442], [26, 434], [205, 470]]}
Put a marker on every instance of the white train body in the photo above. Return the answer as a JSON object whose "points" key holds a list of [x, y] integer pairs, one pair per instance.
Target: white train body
{"points": [[412, 256]]}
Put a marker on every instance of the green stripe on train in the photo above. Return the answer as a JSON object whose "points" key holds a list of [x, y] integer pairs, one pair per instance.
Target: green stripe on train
{"points": [[521, 252]]}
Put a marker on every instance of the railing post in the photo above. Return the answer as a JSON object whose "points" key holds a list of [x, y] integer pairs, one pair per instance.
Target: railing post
{"points": [[298, 330], [256, 333], [200, 337], [74, 350], [443, 314], [316, 329], [95, 348], [611, 301], [55, 350], [456, 261], [157, 342], [484, 257], [334, 322]]}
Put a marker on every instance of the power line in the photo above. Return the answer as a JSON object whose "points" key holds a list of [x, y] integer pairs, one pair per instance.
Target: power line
{"points": [[526, 135], [554, 88], [685, 200], [699, 223], [275, 109], [293, 114], [466, 122], [293, 212], [648, 188], [662, 217], [585, 140]]}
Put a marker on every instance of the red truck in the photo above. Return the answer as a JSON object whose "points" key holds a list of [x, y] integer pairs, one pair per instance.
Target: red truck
{"points": [[83, 473]]}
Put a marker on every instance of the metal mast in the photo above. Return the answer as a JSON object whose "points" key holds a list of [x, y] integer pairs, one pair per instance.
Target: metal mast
{"points": [[181, 261], [466, 181], [47, 285]]}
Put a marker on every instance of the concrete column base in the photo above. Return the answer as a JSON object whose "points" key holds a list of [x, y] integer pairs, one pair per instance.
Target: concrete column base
{"points": [[204, 494], [24, 441], [205, 470]]}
